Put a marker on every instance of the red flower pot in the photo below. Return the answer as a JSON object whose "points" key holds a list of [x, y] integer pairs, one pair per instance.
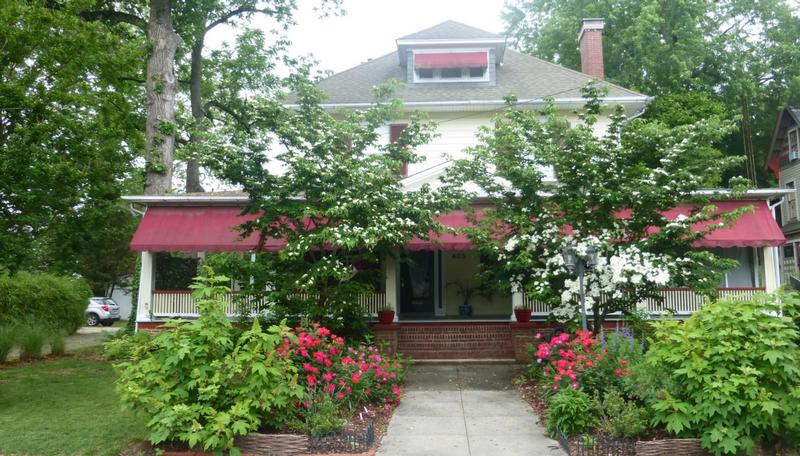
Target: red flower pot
{"points": [[523, 315], [386, 317]]}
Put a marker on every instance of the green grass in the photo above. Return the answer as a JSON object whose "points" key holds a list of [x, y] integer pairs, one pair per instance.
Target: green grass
{"points": [[64, 407]]}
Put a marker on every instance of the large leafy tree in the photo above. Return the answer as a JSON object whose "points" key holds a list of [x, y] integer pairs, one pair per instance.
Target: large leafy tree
{"points": [[333, 194], [185, 97], [69, 129], [744, 53], [610, 194]]}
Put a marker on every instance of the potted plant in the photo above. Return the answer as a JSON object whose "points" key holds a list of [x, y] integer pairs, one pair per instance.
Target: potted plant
{"points": [[467, 291], [385, 315], [523, 314]]}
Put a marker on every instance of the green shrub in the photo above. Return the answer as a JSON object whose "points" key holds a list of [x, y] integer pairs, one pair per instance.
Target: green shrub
{"points": [[8, 338], [45, 299], [620, 417], [58, 344], [201, 385], [126, 346], [733, 374], [31, 342], [322, 417], [571, 411]]}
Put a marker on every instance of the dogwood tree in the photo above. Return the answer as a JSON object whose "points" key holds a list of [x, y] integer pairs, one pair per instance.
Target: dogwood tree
{"points": [[610, 193], [333, 194]]}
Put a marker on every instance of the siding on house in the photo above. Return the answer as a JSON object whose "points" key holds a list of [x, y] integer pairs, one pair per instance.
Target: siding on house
{"points": [[456, 131], [790, 173]]}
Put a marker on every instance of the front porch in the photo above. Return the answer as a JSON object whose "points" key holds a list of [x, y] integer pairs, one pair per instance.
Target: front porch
{"points": [[439, 287]]}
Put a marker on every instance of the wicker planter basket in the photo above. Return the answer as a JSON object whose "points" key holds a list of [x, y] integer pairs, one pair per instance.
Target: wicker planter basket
{"points": [[670, 447], [272, 444]]}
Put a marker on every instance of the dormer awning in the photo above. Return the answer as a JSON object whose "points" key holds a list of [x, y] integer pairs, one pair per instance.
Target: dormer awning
{"points": [[451, 60]]}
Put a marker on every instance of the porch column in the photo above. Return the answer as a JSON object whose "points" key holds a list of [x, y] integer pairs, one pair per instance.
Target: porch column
{"points": [[144, 302], [771, 274], [390, 269]]}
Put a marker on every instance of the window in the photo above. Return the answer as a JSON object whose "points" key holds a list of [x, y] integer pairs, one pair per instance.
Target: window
{"points": [[788, 251], [477, 72], [449, 73], [425, 73], [791, 203], [793, 143], [451, 65]]}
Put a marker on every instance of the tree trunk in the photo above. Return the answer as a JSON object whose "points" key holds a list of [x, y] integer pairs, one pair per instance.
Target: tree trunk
{"points": [[199, 114], [747, 139], [160, 89]]}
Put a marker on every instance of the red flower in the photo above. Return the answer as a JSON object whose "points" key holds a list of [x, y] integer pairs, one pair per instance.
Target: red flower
{"points": [[311, 379]]}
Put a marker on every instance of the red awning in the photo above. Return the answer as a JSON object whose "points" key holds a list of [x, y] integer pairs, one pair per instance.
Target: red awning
{"points": [[752, 229], [213, 229], [446, 241], [196, 229], [451, 60]]}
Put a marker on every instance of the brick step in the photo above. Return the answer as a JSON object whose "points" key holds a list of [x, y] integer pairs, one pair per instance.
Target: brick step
{"points": [[455, 341]]}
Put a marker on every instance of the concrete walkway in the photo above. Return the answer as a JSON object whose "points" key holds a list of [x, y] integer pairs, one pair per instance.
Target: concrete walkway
{"points": [[465, 409]]}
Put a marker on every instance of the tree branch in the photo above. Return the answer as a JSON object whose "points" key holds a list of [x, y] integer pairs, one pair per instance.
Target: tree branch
{"points": [[111, 16], [236, 12], [227, 110], [114, 17]]}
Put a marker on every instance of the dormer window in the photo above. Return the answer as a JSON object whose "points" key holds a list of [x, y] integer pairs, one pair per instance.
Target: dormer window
{"points": [[450, 66]]}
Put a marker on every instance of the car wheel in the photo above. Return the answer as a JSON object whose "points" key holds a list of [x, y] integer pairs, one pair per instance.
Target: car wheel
{"points": [[107, 323], [92, 320]]}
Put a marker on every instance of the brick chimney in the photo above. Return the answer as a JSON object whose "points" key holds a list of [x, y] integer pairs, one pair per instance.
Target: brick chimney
{"points": [[591, 41]]}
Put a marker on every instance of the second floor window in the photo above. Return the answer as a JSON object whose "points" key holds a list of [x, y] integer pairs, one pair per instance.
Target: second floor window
{"points": [[793, 143], [791, 203]]}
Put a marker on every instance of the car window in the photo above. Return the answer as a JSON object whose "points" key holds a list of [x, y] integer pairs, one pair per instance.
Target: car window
{"points": [[110, 302]]}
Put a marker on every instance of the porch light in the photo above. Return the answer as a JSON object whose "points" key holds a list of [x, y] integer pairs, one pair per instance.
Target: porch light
{"points": [[570, 258], [578, 265], [591, 257]]}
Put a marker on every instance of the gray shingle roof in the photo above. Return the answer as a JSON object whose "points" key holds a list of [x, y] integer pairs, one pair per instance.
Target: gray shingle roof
{"points": [[525, 76], [451, 30]]}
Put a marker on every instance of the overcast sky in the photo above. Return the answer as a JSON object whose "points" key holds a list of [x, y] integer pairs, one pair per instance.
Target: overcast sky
{"points": [[369, 27]]}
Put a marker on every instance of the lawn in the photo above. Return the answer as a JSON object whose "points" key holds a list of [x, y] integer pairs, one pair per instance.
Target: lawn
{"points": [[65, 406]]}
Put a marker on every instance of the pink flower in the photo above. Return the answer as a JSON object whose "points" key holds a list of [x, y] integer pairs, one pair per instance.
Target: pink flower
{"points": [[574, 386], [323, 331], [356, 378], [311, 379], [340, 396]]}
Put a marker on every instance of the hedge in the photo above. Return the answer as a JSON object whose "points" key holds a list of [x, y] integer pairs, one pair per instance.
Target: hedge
{"points": [[43, 299]]}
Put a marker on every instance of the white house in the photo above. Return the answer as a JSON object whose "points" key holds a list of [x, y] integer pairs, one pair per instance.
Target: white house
{"points": [[460, 75]]}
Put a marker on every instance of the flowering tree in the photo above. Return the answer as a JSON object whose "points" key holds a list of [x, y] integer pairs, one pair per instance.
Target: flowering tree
{"points": [[336, 199], [610, 194]]}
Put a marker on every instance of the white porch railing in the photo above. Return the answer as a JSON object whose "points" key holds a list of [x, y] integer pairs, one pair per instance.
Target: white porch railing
{"points": [[681, 300], [179, 303]]}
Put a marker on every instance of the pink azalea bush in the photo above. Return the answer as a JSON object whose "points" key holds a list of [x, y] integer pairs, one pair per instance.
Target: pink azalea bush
{"points": [[577, 361], [349, 375]]}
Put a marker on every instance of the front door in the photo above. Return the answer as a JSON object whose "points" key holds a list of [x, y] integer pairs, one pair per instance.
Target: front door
{"points": [[417, 284]]}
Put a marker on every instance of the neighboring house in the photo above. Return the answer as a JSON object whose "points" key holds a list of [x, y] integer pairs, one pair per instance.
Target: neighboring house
{"points": [[459, 75], [783, 160]]}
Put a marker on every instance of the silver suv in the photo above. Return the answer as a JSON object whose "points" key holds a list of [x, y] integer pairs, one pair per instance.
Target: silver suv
{"points": [[101, 311]]}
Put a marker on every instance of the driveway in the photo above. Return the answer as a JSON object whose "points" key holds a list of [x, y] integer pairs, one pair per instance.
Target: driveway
{"points": [[465, 409], [90, 336]]}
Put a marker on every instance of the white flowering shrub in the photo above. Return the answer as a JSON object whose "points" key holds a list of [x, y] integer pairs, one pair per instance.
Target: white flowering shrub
{"points": [[338, 202], [610, 193]]}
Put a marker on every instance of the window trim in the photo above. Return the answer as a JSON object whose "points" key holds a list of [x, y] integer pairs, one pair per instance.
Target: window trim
{"points": [[793, 131]]}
